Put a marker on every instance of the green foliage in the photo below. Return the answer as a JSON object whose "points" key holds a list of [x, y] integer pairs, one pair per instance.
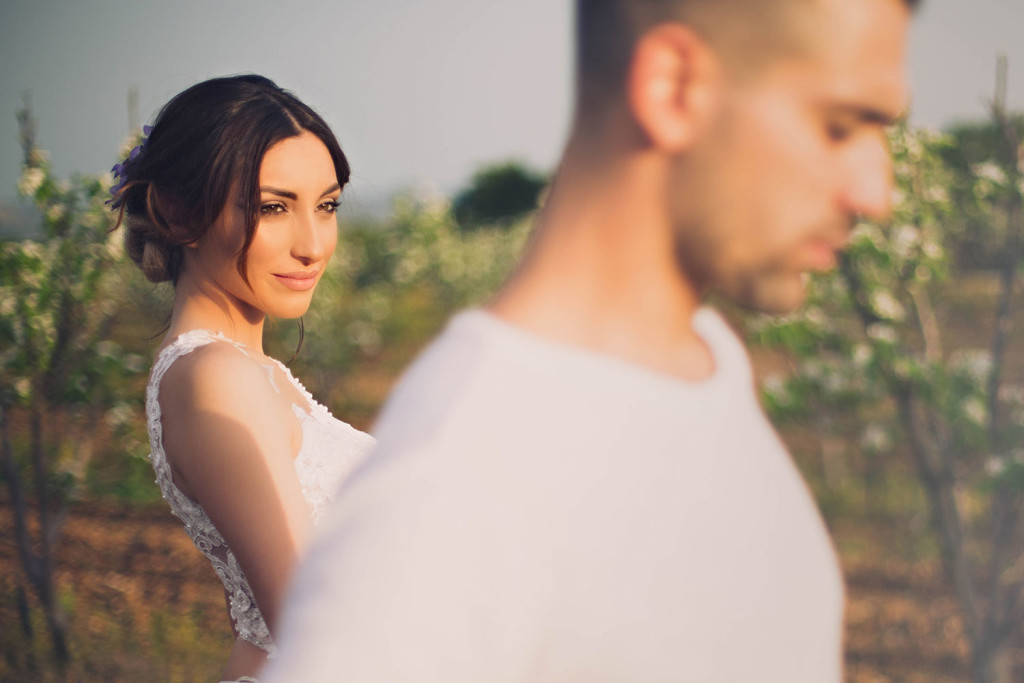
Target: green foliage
{"points": [[56, 306], [982, 190], [873, 328], [880, 365], [59, 377], [498, 194]]}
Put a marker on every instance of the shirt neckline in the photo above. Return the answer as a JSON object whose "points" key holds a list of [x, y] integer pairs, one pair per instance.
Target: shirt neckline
{"points": [[727, 350]]}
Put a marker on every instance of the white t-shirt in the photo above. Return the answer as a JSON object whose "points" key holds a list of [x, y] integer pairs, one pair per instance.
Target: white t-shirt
{"points": [[537, 512]]}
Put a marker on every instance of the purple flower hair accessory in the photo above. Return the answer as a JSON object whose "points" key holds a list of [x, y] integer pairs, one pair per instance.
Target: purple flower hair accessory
{"points": [[120, 171]]}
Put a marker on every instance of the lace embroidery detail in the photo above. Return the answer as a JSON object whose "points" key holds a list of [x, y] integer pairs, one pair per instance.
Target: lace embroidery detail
{"points": [[330, 450]]}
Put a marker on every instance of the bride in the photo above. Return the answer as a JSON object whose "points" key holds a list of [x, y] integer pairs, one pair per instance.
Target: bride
{"points": [[231, 198]]}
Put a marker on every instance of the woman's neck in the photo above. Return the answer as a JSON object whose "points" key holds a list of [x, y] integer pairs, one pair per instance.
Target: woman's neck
{"points": [[198, 307]]}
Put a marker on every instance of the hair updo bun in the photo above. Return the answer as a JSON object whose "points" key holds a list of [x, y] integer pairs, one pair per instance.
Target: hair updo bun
{"points": [[158, 260], [207, 142]]}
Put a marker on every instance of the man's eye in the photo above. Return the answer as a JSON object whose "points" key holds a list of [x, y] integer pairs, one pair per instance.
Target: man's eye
{"points": [[838, 132], [271, 209]]}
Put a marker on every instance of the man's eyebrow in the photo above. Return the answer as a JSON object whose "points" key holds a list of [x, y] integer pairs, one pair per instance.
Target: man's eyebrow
{"points": [[884, 118], [872, 115]]}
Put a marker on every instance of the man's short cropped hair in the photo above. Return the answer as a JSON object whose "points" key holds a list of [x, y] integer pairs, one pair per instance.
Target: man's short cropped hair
{"points": [[747, 33]]}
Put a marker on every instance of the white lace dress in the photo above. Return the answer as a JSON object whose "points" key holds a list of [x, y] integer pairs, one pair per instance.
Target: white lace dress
{"points": [[330, 450]]}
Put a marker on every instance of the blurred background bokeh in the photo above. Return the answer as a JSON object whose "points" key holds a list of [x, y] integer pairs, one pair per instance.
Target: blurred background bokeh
{"points": [[899, 388]]}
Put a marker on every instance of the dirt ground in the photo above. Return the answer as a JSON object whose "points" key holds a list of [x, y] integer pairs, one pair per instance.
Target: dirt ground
{"points": [[135, 587]]}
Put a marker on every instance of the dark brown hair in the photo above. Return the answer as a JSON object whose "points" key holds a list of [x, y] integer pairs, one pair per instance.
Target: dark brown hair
{"points": [[205, 142], [607, 32]]}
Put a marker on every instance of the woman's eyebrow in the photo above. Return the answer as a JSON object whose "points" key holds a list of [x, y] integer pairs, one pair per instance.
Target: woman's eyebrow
{"points": [[331, 189], [280, 193], [288, 194]]}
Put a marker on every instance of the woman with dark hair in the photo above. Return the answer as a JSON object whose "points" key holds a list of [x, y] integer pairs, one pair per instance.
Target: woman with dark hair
{"points": [[231, 198]]}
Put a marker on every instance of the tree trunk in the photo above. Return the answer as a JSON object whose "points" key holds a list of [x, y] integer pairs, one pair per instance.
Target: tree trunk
{"points": [[45, 587], [38, 564]]}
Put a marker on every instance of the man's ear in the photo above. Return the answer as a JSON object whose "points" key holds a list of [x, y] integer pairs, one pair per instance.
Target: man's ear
{"points": [[672, 83]]}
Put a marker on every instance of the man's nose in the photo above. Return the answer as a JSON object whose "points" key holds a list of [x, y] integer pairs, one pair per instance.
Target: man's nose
{"points": [[868, 178]]}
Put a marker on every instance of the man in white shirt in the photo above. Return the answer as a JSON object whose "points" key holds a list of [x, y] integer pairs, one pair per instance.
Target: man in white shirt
{"points": [[576, 483]]}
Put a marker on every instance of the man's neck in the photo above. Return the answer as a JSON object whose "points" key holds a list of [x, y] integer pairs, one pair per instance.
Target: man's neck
{"points": [[600, 274]]}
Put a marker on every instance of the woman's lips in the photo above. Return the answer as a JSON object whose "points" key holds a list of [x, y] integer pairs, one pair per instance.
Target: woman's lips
{"points": [[299, 281]]}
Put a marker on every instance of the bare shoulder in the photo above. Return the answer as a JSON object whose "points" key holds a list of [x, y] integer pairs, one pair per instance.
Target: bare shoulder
{"points": [[218, 374], [217, 404]]}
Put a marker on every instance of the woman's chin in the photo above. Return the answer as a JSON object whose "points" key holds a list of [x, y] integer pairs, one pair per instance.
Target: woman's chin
{"points": [[286, 312]]}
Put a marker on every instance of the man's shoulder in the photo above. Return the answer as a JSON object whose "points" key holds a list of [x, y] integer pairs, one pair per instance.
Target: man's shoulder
{"points": [[484, 369], [474, 356]]}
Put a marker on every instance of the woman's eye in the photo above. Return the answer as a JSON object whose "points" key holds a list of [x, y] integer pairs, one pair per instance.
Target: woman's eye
{"points": [[330, 206], [271, 209]]}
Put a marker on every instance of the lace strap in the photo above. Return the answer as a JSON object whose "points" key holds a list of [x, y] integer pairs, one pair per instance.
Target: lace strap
{"points": [[188, 342], [312, 405], [185, 344]]}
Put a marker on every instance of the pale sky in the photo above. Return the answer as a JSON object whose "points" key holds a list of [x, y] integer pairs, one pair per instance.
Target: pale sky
{"points": [[417, 91]]}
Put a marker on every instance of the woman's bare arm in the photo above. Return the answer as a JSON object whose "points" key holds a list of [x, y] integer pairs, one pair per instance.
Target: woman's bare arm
{"points": [[231, 441]]}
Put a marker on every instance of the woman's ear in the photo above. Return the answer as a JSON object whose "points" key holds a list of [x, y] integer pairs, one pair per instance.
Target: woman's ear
{"points": [[672, 83]]}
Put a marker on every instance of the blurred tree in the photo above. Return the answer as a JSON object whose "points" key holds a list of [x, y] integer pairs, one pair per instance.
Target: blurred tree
{"points": [[498, 194], [875, 366], [977, 155], [59, 379]]}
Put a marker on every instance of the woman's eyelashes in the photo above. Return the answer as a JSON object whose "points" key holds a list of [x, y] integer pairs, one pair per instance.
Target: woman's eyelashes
{"points": [[276, 208], [272, 208]]}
